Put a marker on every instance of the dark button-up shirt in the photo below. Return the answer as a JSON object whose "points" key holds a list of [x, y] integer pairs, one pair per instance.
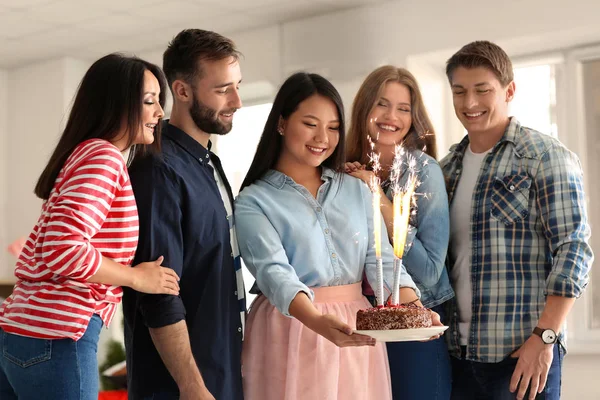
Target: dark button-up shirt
{"points": [[182, 217]]}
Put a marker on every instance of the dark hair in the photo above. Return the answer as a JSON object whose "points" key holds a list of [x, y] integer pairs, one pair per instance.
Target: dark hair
{"points": [[421, 134], [294, 91], [182, 58], [482, 54], [109, 95]]}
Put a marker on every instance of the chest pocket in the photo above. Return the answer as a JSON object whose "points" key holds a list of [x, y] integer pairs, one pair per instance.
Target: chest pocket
{"points": [[510, 198]]}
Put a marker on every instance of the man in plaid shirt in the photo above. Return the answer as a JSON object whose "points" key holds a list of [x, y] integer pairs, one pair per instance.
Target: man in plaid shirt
{"points": [[519, 253]]}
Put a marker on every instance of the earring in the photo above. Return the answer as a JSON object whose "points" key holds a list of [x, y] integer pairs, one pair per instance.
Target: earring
{"points": [[280, 131]]}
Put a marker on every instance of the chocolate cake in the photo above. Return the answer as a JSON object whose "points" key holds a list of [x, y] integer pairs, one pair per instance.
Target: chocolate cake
{"points": [[409, 316]]}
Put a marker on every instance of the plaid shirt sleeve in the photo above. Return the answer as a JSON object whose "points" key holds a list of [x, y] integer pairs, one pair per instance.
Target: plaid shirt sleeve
{"points": [[562, 210]]}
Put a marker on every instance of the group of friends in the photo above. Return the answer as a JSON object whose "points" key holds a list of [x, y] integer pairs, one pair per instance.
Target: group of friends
{"points": [[498, 248]]}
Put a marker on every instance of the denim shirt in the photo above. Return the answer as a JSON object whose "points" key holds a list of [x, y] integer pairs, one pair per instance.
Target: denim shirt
{"points": [[291, 241], [429, 232], [530, 238]]}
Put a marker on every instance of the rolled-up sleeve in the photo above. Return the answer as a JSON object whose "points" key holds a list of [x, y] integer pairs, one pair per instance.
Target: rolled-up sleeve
{"points": [[562, 210], [158, 198], [264, 255]]}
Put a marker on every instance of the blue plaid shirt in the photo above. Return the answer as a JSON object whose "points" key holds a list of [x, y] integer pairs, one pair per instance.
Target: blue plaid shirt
{"points": [[529, 232]]}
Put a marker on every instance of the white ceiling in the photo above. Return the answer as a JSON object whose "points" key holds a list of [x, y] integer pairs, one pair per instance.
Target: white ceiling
{"points": [[33, 30]]}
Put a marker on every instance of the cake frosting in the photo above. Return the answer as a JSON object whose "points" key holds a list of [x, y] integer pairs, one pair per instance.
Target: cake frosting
{"points": [[409, 316]]}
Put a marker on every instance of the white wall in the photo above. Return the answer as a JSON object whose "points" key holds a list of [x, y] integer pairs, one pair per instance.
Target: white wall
{"points": [[345, 46], [580, 377], [352, 42], [5, 258], [38, 97]]}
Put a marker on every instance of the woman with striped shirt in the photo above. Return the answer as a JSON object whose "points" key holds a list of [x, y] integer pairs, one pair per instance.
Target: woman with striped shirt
{"points": [[80, 251]]}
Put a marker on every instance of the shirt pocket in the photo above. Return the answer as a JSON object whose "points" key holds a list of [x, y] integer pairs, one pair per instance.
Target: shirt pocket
{"points": [[510, 198]]}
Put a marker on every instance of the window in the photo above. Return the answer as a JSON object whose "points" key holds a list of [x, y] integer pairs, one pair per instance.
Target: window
{"points": [[236, 151], [534, 104], [591, 96]]}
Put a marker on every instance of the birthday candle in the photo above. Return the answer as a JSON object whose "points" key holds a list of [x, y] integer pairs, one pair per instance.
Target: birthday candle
{"points": [[402, 198]]}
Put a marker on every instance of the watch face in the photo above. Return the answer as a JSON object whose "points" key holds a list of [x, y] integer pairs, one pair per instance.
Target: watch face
{"points": [[548, 336]]}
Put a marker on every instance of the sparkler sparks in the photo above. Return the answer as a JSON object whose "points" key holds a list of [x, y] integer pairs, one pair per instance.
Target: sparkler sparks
{"points": [[403, 191]]}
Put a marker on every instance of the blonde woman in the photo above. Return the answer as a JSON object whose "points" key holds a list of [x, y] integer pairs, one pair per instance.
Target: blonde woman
{"points": [[389, 110]]}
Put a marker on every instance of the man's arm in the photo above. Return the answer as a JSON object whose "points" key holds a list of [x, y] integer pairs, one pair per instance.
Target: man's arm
{"points": [[158, 198], [555, 313], [173, 345], [562, 210], [535, 357]]}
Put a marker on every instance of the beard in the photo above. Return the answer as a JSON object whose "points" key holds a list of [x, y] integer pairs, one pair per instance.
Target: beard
{"points": [[206, 119]]}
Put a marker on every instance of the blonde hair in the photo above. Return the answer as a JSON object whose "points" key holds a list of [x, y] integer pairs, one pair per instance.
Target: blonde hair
{"points": [[420, 135]]}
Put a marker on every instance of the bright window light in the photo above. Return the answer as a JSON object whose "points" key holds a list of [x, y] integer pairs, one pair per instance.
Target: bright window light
{"points": [[534, 104], [236, 151]]}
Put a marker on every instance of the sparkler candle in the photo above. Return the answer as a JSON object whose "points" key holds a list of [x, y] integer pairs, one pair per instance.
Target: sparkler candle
{"points": [[401, 204], [377, 236], [402, 199], [375, 190]]}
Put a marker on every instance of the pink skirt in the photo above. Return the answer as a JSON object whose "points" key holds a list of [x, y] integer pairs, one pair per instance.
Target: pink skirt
{"points": [[284, 360]]}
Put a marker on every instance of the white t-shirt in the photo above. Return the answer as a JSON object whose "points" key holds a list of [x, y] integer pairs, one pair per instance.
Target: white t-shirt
{"points": [[460, 239]]}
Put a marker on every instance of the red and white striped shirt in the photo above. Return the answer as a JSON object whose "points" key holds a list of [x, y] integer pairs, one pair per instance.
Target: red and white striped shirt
{"points": [[91, 213]]}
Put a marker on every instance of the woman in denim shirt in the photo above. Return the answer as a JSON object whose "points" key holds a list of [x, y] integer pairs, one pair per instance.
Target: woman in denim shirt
{"points": [[389, 109], [305, 232]]}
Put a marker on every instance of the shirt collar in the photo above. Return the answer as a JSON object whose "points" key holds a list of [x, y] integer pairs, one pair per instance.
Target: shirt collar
{"points": [[279, 179], [188, 143], [514, 135], [510, 135]]}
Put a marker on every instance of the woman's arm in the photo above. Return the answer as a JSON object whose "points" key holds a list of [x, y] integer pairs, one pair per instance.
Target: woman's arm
{"points": [[77, 214], [263, 253], [148, 277], [327, 325], [266, 258]]}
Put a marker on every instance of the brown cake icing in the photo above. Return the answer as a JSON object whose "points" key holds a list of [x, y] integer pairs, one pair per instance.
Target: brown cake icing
{"points": [[408, 316]]}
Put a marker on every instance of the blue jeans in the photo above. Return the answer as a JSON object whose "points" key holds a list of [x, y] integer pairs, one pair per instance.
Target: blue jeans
{"points": [[491, 381], [420, 370], [58, 369]]}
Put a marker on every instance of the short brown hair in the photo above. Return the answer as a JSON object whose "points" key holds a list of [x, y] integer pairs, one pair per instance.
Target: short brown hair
{"points": [[421, 134], [482, 54], [182, 58]]}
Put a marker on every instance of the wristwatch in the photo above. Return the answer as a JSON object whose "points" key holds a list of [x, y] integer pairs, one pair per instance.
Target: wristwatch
{"points": [[548, 335]]}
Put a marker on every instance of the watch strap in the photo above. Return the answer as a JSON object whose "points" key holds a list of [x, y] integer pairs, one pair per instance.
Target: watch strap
{"points": [[540, 332]]}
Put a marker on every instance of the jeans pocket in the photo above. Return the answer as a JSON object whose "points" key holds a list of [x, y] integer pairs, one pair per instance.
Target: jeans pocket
{"points": [[25, 351], [510, 198]]}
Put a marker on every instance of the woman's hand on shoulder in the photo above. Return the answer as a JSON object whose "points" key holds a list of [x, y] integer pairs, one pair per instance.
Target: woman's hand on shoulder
{"points": [[353, 166], [359, 171]]}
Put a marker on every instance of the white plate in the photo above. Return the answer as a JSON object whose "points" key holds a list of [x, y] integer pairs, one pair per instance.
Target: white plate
{"points": [[404, 335]]}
